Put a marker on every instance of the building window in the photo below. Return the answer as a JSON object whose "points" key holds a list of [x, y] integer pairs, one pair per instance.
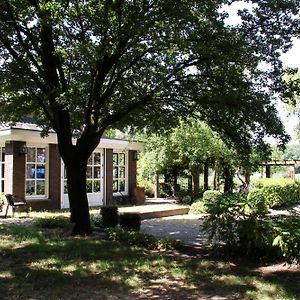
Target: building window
{"points": [[93, 174], [35, 171], [2, 166], [119, 171]]}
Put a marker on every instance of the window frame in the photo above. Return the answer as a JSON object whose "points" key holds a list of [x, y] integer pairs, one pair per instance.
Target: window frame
{"points": [[125, 192], [2, 169], [93, 179], [100, 179], [45, 179]]}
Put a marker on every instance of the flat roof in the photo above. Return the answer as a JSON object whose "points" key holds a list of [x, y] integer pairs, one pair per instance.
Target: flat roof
{"points": [[31, 134]]}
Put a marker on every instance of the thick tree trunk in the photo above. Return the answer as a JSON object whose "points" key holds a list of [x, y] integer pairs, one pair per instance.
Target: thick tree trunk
{"points": [[247, 175], [206, 173], [175, 184], [195, 173], [190, 183], [228, 180], [76, 181]]}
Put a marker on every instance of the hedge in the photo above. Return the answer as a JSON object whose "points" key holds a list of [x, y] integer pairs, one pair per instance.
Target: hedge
{"points": [[275, 193], [110, 216]]}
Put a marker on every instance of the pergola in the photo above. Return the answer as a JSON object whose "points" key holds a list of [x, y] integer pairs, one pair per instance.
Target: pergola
{"points": [[293, 164]]}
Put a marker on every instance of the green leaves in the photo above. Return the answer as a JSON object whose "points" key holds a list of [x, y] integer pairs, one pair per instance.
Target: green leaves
{"points": [[189, 144], [146, 63]]}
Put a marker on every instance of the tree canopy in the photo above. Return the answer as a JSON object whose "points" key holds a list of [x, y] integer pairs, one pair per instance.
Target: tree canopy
{"points": [[82, 66], [161, 58]]}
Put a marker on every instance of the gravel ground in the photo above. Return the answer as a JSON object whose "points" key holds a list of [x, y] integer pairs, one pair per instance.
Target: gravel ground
{"points": [[186, 228]]}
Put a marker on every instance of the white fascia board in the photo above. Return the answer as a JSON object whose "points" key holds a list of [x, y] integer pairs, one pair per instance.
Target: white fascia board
{"points": [[26, 135], [34, 136], [120, 145]]}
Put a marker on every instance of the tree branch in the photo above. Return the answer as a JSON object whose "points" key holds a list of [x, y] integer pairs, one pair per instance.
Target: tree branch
{"points": [[30, 73]]}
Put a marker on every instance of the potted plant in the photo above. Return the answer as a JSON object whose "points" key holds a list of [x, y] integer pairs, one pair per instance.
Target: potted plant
{"points": [[139, 195], [1, 201]]}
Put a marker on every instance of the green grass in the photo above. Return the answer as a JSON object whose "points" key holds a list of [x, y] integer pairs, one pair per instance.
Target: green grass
{"points": [[40, 264]]}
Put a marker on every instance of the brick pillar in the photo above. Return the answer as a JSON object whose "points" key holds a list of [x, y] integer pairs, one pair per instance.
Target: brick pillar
{"points": [[108, 176], [14, 169], [131, 172], [54, 176]]}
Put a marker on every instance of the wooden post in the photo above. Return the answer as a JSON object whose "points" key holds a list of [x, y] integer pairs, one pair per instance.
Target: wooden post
{"points": [[268, 171], [292, 173]]}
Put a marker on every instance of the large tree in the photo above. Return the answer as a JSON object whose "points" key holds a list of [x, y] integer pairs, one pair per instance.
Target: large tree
{"points": [[81, 66]]}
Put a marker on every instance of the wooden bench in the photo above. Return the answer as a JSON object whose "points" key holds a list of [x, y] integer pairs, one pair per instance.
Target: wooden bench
{"points": [[15, 202]]}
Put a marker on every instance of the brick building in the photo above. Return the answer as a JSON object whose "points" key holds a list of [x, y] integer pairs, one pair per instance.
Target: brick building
{"points": [[32, 168]]}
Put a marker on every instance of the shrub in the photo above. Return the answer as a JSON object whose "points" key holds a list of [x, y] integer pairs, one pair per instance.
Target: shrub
{"points": [[275, 193], [149, 192], [110, 217], [187, 196], [211, 196], [97, 221], [148, 185], [198, 207], [167, 244], [148, 241], [255, 236], [165, 189], [221, 223], [287, 238], [182, 194], [238, 226], [52, 222], [257, 202], [130, 221], [262, 182], [131, 238], [232, 224]]}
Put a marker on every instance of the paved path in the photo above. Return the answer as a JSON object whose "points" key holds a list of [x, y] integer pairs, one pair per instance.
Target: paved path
{"points": [[186, 228]]}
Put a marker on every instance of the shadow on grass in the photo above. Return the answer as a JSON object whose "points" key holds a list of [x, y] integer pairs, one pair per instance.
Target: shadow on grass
{"points": [[39, 266]]}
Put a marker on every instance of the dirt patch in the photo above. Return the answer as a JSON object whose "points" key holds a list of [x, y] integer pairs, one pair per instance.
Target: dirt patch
{"points": [[278, 268]]}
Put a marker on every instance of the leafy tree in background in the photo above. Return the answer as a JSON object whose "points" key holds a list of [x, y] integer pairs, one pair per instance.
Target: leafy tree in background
{"points": [[194, 146], [188, 146], [292, 152], [292, 97], [80, 67]]}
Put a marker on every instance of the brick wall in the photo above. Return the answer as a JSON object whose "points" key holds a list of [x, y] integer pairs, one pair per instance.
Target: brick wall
{"points": [[131, 172], [108, 177], [14, 169], [54, 176]]}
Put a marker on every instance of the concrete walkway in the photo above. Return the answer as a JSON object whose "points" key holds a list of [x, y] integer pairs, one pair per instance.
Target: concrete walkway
{"points": [[156, 208], [186, 228]]}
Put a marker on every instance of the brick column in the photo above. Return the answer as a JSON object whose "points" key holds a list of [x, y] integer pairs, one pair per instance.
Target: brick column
{"points": [[54, 176], [14, 182], [108, 176], [131, 172]]}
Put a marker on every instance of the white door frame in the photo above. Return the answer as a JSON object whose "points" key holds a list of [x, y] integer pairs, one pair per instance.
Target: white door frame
{"points": [[94, 199]]}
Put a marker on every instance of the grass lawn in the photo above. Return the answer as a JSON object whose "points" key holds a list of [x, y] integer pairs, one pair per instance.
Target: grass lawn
{"points": [[39, 264]]}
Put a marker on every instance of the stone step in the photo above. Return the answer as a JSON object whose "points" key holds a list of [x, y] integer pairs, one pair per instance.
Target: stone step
{"points": [[156, 211]]}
